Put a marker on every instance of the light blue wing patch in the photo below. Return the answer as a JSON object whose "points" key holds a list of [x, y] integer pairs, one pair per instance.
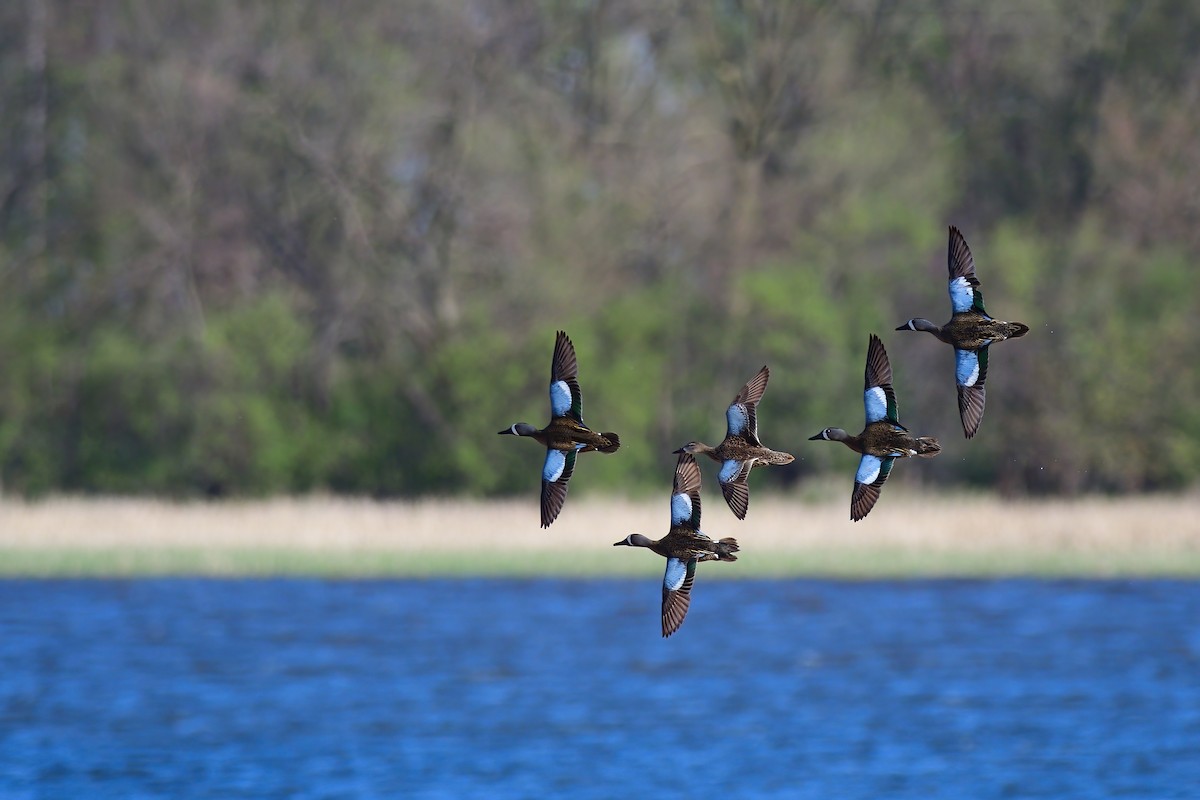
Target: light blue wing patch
{"points": [[966, 367], [729, 470], [675, 575], [962, 295], [875, 400], [556, 462], [681, 508], [560, 398], [868, 469], [738, 419]]}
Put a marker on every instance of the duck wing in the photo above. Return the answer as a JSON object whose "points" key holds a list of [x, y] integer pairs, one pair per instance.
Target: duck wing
{"points": [[964, 286], [556, 472], [970, 372], [565, 398], [868, 482], [733, 477], [742, 415], [685, 493], [676, 593], [878, 396]]}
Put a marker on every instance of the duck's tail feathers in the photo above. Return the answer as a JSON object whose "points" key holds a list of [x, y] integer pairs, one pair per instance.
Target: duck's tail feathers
{"points": [[726, 549], [777, 458], [614, 442], [1016, 330], [927, 447]]}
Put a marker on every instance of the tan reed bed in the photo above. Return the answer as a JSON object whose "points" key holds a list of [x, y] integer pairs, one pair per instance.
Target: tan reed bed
{"points": [[907, 535]]}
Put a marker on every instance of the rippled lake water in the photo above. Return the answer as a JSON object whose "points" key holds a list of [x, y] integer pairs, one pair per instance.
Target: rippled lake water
{"points": [[557, 688]]}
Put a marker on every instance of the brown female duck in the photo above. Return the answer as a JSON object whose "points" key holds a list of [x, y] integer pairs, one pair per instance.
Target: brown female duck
{"points": [[741, 450]]}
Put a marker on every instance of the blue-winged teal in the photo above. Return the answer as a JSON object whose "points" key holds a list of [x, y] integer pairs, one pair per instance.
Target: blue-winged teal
{"points": [[741, 451], [566, 435], [684, 546], [970, 331], [884, 439]]}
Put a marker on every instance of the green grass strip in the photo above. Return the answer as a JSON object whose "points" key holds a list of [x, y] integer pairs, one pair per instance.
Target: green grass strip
{"points": [[843, 563]]}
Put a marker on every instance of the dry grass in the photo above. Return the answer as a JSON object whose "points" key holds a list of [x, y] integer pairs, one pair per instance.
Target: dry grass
{"points": [[907, 535]]}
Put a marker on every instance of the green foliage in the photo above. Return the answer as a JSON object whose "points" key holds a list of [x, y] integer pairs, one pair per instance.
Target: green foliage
{"points": [[253, 249]]}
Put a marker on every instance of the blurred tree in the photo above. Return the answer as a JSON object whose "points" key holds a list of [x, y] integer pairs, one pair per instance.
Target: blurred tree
{"points": [[257, 248]]}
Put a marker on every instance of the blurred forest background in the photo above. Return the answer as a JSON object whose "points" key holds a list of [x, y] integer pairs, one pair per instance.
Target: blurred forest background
{"points": [[263, 247]]}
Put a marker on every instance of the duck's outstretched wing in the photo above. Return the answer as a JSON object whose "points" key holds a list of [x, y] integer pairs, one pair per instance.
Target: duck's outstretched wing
{"points": [[742, 415], [676, 593], [878, 396], [685, 493], [733, 477], [970, 372], [964, 286], [565, 398], [556, 471], [868, 482]]}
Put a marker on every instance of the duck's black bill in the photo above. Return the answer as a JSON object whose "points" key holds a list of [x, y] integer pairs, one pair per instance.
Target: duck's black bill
{"points": [[904, 327], [819, 437], [506, 430]]}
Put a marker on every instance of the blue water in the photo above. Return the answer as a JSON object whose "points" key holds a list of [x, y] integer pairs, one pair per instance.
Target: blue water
{"points": [[551, 688]]}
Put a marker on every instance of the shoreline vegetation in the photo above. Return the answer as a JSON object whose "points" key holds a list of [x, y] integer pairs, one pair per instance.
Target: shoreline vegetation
{"points": [[919, 536]]}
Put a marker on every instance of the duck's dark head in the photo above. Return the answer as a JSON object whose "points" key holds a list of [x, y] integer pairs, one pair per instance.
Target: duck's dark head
{"points": [[919, 324], [829, 435], [520, 429], [633, 540]]}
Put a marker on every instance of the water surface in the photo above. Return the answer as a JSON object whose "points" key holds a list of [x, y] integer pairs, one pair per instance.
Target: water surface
{"points": [[546, 688]]}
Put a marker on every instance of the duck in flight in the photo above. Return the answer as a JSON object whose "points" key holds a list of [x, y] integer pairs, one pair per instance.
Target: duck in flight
{"points": [[884, 439], [741, 450], [684, 546], [970, 332], [566, 436]]}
